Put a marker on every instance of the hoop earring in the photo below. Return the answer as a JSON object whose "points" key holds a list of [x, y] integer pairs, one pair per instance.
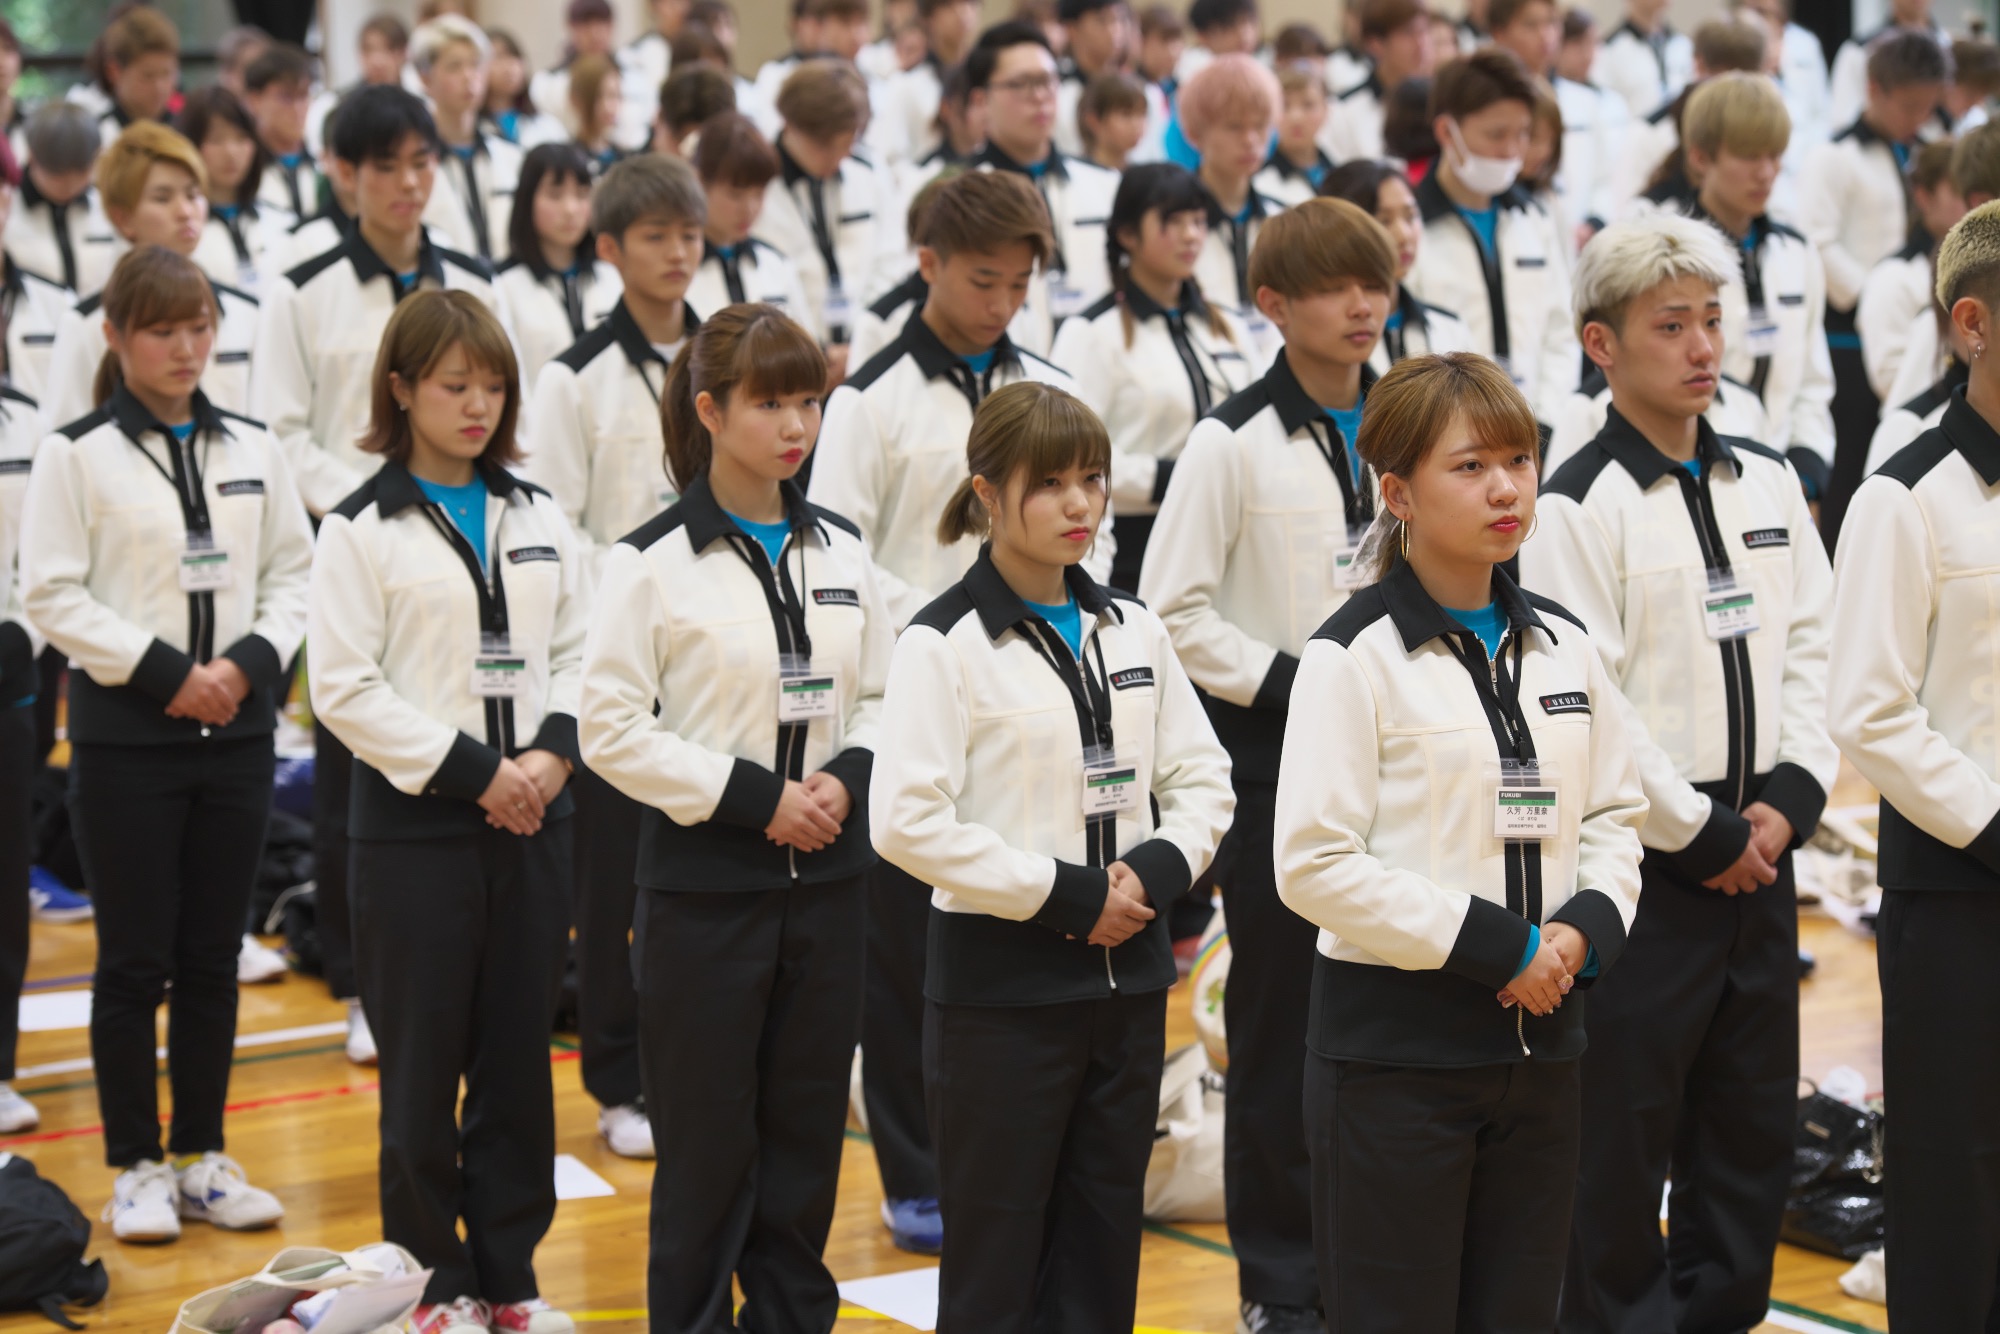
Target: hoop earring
{"points": [[1405, 525], [1533, 524]]}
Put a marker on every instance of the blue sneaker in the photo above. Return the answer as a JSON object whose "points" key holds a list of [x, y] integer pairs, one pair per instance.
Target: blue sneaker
{"points": [[52, 901], [914, 1225]]}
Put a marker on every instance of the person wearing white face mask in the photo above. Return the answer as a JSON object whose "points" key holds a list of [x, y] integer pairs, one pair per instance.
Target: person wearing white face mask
{"points": [[1490, 252]]}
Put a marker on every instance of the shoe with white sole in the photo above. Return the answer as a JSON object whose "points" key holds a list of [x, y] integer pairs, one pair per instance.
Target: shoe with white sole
{"points": [[144, 1206], [530, 1317], [360, 1037], [257, 962], [214, 1190], [1257, 1318], [50, 900], [463, 1313], [627, 1129], [16, 1112]]}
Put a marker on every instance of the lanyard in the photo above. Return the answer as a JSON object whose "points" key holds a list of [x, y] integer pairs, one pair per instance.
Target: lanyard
{"points": [[1204, 397], [475, 207], [1496, 290], [492, 615], [822, 232], [291, 175], [975, 385], [1356, 504], [732, 275], [1239, 255], [1091, 695], [1499, 692], [59, 216], [786, 602], [186, 481], [1753, 288], [572, 300]]}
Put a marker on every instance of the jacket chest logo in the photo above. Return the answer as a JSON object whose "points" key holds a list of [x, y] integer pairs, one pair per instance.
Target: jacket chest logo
{"points": [[1131, 678], [10, 466], [836, 597], [1767, 537], [244, 486], [1570, 701], [521, 555]]}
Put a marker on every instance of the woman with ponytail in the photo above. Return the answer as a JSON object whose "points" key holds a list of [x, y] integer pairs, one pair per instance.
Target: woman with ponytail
{"points": [[1047, 770], [164, 549], [1151, 357], [1458, 812], [733, 687]]}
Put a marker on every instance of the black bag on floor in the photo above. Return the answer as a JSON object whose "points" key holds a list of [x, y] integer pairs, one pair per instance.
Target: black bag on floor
{"points": [[287, 862], [42, 1240], [1835, 1204], [296, 916]]}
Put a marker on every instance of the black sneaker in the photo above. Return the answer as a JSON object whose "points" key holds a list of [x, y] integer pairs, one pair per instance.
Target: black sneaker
{"points": [[1257, 1318]]}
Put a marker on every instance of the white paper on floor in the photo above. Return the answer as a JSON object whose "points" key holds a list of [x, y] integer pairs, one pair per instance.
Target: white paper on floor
{"points": [[910, 1297], [48, 1011], [574, 1181]]}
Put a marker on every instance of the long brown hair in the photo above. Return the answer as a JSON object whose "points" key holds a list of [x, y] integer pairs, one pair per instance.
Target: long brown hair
{"points": [[755, 348], [150, 285], [1026, 428], [1411, 408], [424, 328]]}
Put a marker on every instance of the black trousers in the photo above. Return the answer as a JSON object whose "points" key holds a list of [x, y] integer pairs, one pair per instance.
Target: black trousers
{"points": [[1440, 1197], [1940, 1030], [1267, 1172], [1043, 1121], [170, 838], [892, 1033], [602, 894], [1692, 1070], [749, 1007], [333, 773], [1856, 411], [18, 763], [459, 946]]}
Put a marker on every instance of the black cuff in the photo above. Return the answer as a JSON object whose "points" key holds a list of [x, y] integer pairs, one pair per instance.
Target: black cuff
{"points": [[1796, 795], [18, 677], [1275, 692], [1985, 845], [1075, 901], [1162, 869], [853, 767], [1716, 845], [467, 770], [161, 671], [1490, 944], [259, 661], [557, 735], [1592, 912], [1163, 471], [1812, 470], [751, 796]]}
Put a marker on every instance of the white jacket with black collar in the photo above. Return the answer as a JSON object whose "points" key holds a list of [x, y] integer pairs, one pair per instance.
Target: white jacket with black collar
{"points": [[681, 687], [1911, 695], [892, 450], [21, 431], [595, 426], [1646, 70], [1629, 541], [1243, 563], [1903, 423], [1150, 374], [1517, 303], [1417, 329], [1854, 207], [71, 244], [243, 249], [320, 328], [80, 347], [294, 189], [979, 787], [1892, 317], [845, 232], [1354, 118], [553, 310], [1595, 123], [1286, 182], [753, 271], [884, 317], [111, 505], [1385, 832], [33, 308], [1734, 411], [1223, 270], [397, 623], [481, 191]]}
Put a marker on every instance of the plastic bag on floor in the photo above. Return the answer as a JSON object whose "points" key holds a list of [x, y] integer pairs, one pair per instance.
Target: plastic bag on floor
{"points": [[1868, 1281], [1184, 1176], [367, 1291], [1208, 981]]}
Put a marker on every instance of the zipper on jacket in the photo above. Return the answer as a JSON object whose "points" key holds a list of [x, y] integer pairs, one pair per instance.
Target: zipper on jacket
{"points": [[1101, 850]]}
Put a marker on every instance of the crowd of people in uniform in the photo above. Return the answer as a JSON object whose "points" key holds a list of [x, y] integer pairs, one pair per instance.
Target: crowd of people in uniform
{"points": [[875, 552]]}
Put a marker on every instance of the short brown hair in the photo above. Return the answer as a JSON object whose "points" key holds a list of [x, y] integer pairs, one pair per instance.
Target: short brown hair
{"points": [[983, 211], [1379, 18], [1737, 43], [424, 327], [394, 34], [587, 76], [1976, 65], [1297, 41], [1738, 111], [122, 168], [733, 151], [1470, 84], [149, 285], [1310, 247], [823, 98], [754, 347], [143, 31], [1161, 21], [1502, 13], [1027, 428], [827, 9], [695, 94], [1975, 161], [1106, 95]]}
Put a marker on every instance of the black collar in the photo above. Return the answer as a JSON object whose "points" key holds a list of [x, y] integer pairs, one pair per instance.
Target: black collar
{"points": [[367, 264], [135, 418], [1411, 309], [1631, 29], [1419, 619], [1217, 216], [396, 487], [1143, 307], [746, 251], [479, 148], [632, 340], [708, 522], [934, 359], [1000, 608], [31, 196], [1861, 132], [1289, 171], [1640, 457], [1969, 433], [1433, 202], [1296, 409], [996, 158], [1760, 226], [788, 166]]}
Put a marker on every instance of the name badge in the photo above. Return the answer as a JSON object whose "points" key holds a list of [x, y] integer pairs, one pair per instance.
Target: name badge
{"points": [[1760, 334], [205, 566], [1729, 608], [497, 671], [1065, 300], [1348, 572], [1110, 785], [805, 693], [839, 309], [1526, 798]]}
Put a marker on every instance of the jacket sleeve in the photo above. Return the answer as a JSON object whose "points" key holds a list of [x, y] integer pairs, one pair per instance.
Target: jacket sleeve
{"points": [[862, 731], [1883, 318], [1329, 790], [72, 369], [572, 627], [559, 430], [1882, 617], [281, 396], [57, 518], [1808, 761], [284, 579], [1812, 403], [1573, 560], [1561, 356], [347, 627], [624, 662], [1825, 196], [1606, 896], [1189, 782], [1186, 561], [850, 476], [920, 769]]}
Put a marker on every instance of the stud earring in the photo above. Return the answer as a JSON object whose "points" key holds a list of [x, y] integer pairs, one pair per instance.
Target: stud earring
{"points": [[1978, 351]]}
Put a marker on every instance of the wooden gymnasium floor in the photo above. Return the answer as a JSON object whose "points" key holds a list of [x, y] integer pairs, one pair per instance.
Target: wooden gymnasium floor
{"points": [[303, 1122]]}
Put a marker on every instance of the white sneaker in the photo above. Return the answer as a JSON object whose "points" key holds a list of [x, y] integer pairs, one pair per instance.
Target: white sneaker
{"points": [[142, 1206], [627, 1129], [214, 1190], [360, 1038], [534, 1316], [257, 962], [16, 1112]]}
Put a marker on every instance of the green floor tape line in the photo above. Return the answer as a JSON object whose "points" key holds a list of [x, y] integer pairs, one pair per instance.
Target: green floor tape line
{"points": [[1190, 1239], [1831, 1322]]}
